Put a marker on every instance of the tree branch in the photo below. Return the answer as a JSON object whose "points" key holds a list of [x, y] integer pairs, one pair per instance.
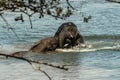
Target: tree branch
{"points": [[70, 4], [32, 61], [45, 73], [10, 27], [38, 62]]}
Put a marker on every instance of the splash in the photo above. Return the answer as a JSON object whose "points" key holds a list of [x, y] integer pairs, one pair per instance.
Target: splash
{"points": [[90, 49], [94, 43]]}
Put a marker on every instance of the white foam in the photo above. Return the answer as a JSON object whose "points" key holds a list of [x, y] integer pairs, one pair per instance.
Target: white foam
{"points": [[75, 50], [88, 49]]}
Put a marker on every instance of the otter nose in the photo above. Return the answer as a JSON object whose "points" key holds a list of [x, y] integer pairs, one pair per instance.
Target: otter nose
{"points": [[71, 36]]}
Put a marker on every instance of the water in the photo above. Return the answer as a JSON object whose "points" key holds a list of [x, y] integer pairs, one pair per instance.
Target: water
{"points": [[99, 62]]}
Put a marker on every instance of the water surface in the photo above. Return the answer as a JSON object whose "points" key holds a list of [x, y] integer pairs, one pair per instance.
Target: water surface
{"points": [[100, 62]]}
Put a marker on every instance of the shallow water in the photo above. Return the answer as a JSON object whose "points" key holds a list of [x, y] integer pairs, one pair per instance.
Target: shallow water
{"points": [[99, 62]]}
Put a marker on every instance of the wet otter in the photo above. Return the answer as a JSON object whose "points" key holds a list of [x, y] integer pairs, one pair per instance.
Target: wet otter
{"points": [[44, 45], [76, 39]]}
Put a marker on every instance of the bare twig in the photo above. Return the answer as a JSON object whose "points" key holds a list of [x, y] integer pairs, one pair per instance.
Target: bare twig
{"points": [[33, 66], [12, 29], [70, 4], [40, 7], [29, 15], [45, 73], [30, 21], [114, 1], [32, 61]]}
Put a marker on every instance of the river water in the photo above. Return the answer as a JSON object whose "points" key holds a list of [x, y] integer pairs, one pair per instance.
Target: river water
{"points": [[98, 62]]}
